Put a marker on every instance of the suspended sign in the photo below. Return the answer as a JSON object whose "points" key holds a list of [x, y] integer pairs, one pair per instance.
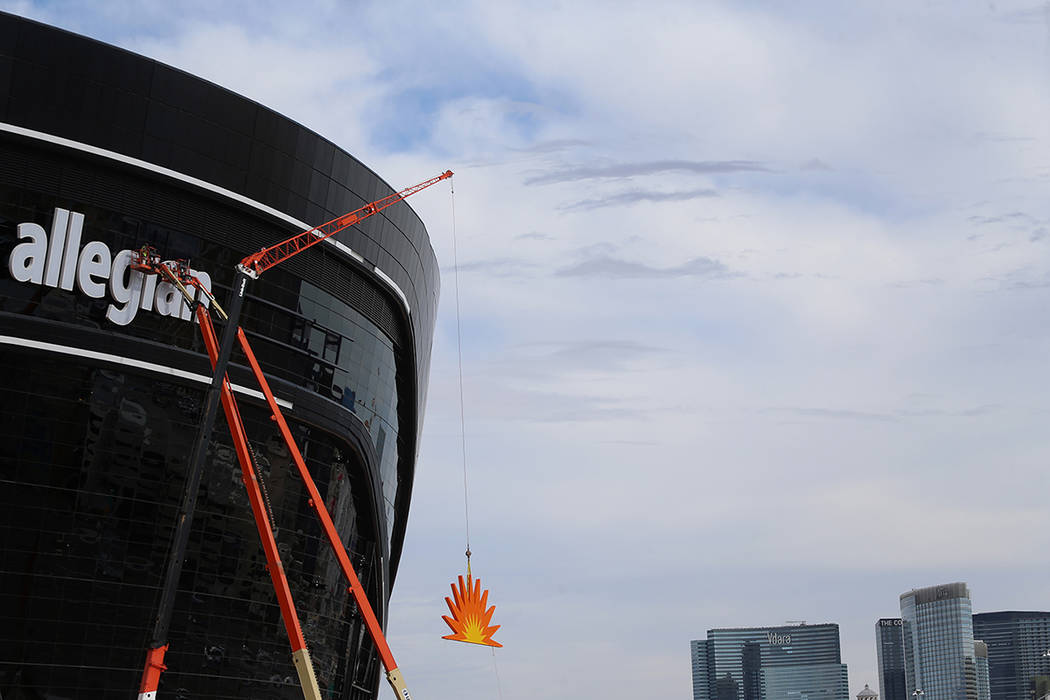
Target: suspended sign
{"points": [[470, 618]]}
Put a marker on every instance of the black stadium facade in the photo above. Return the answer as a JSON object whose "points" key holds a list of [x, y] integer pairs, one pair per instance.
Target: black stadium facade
{"points": [[103, 374]]}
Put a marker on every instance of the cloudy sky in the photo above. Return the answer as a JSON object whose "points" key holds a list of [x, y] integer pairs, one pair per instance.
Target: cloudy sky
{"points": [[755, 306]]}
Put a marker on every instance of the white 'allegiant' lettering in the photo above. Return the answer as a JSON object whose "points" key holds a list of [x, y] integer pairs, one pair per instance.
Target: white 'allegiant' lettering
{"points": [[58, 261], [95, 261], [26, 263], [125, 287]]}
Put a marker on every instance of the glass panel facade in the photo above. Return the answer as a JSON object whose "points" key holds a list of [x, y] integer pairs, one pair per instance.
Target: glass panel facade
{"points": [[699, 652], [770, 663], [938, 642], [1018, 643], [92, 463], [102, 377], [360, 372], [984, 691], [300, 332], [889, 643], [76, 88], [819, 682]]}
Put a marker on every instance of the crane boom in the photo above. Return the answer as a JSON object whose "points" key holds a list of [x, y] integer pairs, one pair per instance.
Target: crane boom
{"points": [[266, 258], [179, 275]]}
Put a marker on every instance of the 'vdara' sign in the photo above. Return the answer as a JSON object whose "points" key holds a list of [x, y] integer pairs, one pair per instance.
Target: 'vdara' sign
{"points": [[61, 262]]}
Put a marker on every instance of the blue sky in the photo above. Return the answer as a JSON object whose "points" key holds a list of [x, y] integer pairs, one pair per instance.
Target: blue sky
{"points": [[754, 298]]}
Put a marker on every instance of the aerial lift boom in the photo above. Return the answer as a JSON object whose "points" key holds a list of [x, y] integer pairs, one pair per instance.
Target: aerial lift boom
{"points": [[178, 274]]}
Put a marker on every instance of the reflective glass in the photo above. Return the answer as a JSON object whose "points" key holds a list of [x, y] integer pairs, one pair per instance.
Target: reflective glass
{"points": [[116, 443], [338, 339], [93, 461]]}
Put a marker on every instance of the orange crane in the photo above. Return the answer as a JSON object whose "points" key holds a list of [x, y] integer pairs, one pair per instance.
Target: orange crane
{"points": [[178, 274]]}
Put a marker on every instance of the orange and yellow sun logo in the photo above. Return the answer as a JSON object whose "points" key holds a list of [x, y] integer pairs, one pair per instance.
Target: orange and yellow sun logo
{"points": [[470, 620]]}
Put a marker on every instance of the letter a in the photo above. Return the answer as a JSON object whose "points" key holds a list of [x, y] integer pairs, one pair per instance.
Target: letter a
{"points": [[26, 263]]}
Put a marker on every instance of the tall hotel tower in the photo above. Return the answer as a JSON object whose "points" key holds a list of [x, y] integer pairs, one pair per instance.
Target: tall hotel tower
{"points": [[939, 659], [1018, 651], [889, 643], [797, 662]]}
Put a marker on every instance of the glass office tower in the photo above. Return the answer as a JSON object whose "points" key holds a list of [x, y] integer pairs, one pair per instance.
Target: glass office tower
{"points": [[698, 656], [938, 642], [889, 644], [797, 662], [1018, 647], [102, 375], [980, 654]]}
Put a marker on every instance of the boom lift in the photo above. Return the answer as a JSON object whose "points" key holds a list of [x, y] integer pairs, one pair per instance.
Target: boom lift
{"points": [[178, 274]]}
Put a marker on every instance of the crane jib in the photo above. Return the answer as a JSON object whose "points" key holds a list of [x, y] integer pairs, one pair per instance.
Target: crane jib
{"points": [[274, 255], [149, 262]]}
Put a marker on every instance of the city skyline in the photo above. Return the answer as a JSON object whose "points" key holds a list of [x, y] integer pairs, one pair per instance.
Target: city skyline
{"points": [[1020, 649]]}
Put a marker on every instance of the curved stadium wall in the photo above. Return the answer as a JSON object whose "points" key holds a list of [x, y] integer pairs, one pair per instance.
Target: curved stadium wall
{"points": [[102, 381]]}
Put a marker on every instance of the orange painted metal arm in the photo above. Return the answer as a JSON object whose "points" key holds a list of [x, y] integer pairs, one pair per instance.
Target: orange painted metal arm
{"points": [[266, 258], [148, 261], [317, 503], [300, 655], [151, 674]]}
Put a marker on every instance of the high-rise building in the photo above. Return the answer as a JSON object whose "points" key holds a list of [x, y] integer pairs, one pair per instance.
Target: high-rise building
{"points": [[796, 662], [980, 655], [939, 659], [889, 644], [103, 374], [1018, 644], [698, 652]]}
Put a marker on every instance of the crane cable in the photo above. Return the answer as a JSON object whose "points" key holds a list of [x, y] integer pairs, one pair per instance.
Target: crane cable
{"points": [[462, 414], [459, 352], [499, 685]]}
